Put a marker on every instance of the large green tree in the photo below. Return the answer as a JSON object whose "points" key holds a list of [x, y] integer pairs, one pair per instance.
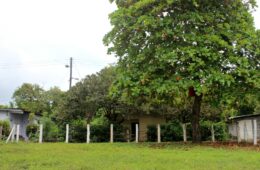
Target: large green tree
{"points": [[30, 97], [166, 47], [91, 95], [34, 99]]}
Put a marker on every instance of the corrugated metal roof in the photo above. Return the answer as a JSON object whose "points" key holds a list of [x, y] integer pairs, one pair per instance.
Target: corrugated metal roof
{"points": [[244, 116], [16, 111]]}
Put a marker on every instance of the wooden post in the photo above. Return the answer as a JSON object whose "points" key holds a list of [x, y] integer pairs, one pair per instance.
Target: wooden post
{"points": [[111, 133], [212, 133], [255, 131], [67, 133], [158, 133], [17, 133], [1, 132], [88, 133], [184, 132], [40, 134], [136, 133], [10, 135], [128, 135], [12, 138]]}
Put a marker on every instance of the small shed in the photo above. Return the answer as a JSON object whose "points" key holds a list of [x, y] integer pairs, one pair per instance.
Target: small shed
{"points": [[16, 116], [242, 127], [143, 121]]}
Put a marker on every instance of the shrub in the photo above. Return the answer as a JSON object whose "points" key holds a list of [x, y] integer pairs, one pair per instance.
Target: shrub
{"points": [[31, 132], [6, 127], [171, 131], [78, 131], [50, 129], [99, 133]]}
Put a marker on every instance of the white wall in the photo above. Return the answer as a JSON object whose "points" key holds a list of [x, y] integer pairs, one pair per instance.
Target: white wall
{"points": [[4, 115], [246, 130]]}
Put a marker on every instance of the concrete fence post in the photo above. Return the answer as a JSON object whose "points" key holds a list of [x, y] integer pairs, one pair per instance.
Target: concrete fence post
{"points": [[1, 132], [17, 133], [184, 132], [40, 134], [128, 135], [136, 133], [10, 135], [158, 133], [12, 138], [88, 133], [212, 133], [111, 133], [238, 133], [255, 131], [67, 133]]}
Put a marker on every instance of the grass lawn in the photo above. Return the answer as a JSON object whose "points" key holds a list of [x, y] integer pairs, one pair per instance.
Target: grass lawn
{"points": [[122, 156]]}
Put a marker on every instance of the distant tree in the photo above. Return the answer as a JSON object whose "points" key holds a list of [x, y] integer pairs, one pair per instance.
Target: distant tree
{"points": [[168, 47], [34, 99], [91, 95], [30, 97], [4, 106]]}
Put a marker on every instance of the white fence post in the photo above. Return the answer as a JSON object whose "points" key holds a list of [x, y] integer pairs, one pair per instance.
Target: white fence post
{"points": [[212, 133], [111, 133], [184, 132], [12, 138], [67, 133], [88, 133], [255, 131], [136, 133], [158, 133], [40, 134], [10, 135], [17, 133]]}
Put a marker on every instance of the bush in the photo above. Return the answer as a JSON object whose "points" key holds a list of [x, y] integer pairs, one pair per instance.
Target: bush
{"points": [[171, 131], [99, 133], [31, 131], [50, 130], [78, 131], [6, 127], [220, 130]]}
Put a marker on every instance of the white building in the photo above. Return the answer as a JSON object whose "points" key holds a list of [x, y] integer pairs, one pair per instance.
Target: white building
{"points": [[16, 116], [242, 128]]}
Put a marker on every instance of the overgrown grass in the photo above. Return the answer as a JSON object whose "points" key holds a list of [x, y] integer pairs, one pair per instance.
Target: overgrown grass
{"points": [[122, 156]]}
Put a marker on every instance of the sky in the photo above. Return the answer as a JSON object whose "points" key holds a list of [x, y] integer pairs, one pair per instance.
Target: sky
{"points": [[37, 38]]}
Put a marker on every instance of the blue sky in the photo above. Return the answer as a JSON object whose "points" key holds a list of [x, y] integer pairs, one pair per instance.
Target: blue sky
{"points": [[37, 38]]}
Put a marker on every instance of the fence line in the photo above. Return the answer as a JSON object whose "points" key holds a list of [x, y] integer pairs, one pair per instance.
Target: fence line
{"points": [[244, 133]]}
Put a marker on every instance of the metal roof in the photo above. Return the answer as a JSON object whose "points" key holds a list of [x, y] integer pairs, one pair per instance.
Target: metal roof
{"points": [[244, 116], [16, 111]]}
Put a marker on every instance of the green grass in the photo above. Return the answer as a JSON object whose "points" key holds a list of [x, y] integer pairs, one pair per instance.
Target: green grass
{"points": [[122, 156]]}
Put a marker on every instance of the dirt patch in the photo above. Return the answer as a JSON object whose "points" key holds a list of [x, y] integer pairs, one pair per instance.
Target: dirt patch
{"points": [[186, 146]]}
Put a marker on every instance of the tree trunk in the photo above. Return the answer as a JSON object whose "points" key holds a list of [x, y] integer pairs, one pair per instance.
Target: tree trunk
{"points": [[196, 136]]}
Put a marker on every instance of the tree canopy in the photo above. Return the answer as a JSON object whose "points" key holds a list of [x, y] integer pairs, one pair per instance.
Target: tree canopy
{"points": [[169, 46]]}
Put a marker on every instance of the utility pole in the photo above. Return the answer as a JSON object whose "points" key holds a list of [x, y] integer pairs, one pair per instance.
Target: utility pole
{"points": [[70, 72], [70, 66]]}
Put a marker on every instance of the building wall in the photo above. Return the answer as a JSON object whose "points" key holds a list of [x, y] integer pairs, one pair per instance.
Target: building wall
{"points": [[232, 128], [144, 121], [258, 128], [244, 128], [22, 120], [4, 115]]}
